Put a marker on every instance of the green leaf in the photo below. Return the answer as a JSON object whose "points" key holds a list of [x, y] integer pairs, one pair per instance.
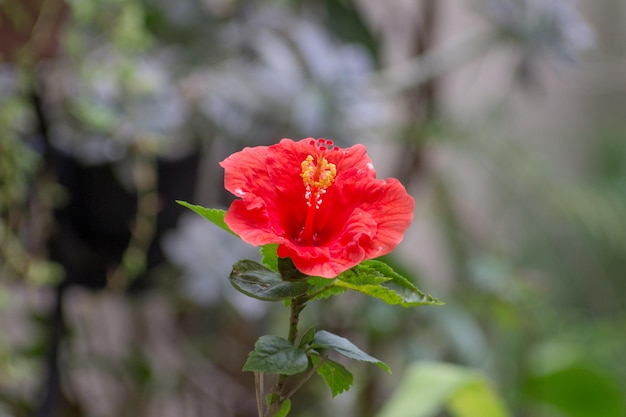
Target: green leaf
{"points": [[342, 18], [320, 282], [427, 389], [379, 280], [257, 281], [269, 258], [307, 336], [271, 398], [285, 407], [363, 274], [215, 216], [327, 340], [336, 376], [98, 118], [563, 378], [275, 355], [579, 391], [324, 287], [477, 398], [288, 270]]}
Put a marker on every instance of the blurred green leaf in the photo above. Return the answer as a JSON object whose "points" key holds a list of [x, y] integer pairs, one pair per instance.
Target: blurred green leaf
{"points": [[215, 216], [257, 281], [285, 407], [344, 20], [378, 280], [83, 11], [129, 31], [476, 398], [327, 340], [98, 118], [275, 355], [429, 388], [336, 376], [269, 258], [578, 390]]}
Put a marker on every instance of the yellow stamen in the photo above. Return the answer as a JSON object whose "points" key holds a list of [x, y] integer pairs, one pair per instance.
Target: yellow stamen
{"points": [[317, 177]]}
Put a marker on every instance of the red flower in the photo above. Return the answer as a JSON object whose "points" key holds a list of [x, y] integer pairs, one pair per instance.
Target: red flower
{"points": [[323, 205]]}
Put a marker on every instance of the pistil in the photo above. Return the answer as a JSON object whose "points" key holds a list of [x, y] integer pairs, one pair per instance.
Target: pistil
{"points": [[317, 177]]}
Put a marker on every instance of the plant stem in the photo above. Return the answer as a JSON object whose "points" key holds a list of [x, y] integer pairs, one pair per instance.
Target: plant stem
{"points": [[279, 390], [258, 385], [297, 304], [306, 377]]}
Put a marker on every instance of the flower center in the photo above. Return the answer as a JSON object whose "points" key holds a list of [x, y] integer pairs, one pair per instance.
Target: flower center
{"points": [[317, 177]]}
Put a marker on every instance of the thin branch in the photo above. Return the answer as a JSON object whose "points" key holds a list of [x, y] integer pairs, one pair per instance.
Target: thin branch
{"points": [[258, 385], [306, 377], [434, 63], [134, 258]]}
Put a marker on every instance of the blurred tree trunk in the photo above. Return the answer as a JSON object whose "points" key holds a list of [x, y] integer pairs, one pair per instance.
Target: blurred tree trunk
{"points": [[29, 30], [421, 101], [421, 104]]}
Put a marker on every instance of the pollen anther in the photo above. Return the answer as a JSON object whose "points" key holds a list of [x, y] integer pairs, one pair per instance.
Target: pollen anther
{"points": [[317, 177]]}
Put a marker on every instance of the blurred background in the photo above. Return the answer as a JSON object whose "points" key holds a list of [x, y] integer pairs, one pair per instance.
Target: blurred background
{"points": [[505, 119]]}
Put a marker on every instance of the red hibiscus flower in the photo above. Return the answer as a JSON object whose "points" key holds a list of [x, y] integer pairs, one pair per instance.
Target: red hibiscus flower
{"points": [[321, 204]]}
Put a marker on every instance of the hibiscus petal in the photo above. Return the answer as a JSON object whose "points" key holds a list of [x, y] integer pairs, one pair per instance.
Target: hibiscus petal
{"points": [[344, 253], [391, 207], [314, 260], [352, 161], [253, 226], [245, 173], [284, 165]]}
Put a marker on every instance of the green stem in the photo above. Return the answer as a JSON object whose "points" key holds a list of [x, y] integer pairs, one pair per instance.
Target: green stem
{"points": [[279, 392], [297, 304]]}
